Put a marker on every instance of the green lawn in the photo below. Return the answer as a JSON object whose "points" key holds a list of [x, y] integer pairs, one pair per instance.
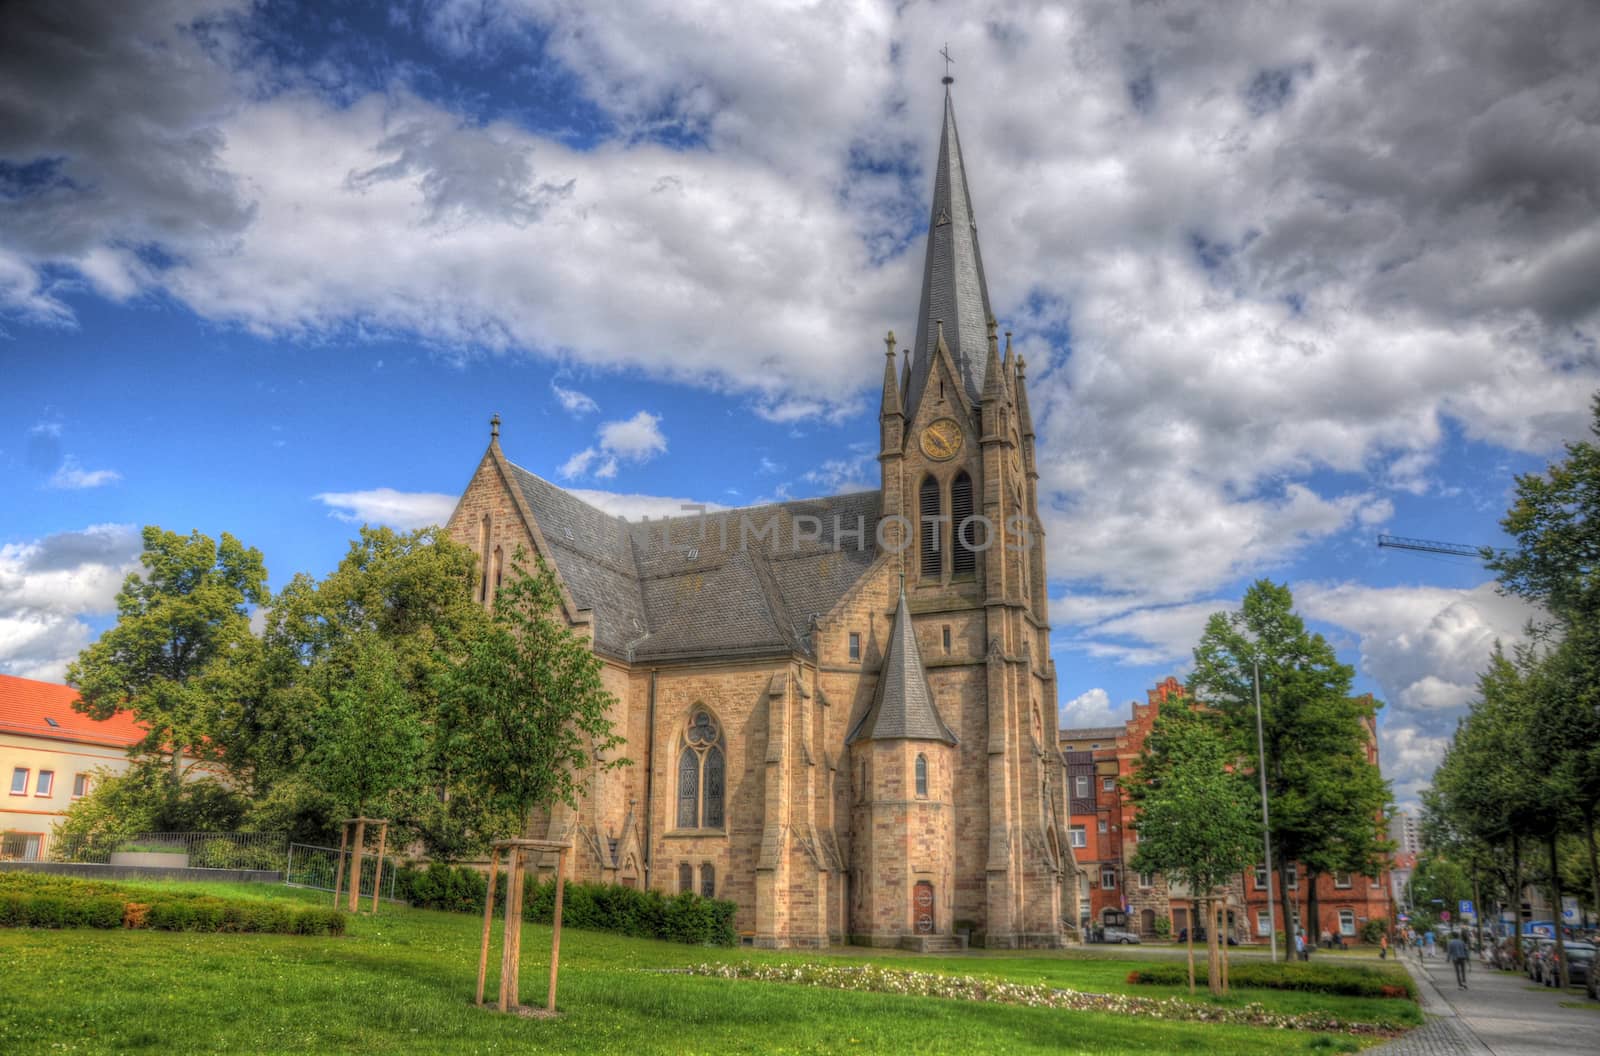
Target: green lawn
{"points": [[402, 982]]}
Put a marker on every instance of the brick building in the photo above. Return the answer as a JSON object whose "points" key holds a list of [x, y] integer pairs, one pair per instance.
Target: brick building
{"points": [[1100, 831], [834, 708]]}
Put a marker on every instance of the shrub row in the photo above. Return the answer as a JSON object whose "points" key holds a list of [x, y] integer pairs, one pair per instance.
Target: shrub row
{"points": [[1341, 980], [92, 905], [627, 911]]}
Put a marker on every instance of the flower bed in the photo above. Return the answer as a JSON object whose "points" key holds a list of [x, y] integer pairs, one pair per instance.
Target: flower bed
{"points": [[32, 900], [875, 979], [1344, 980]]}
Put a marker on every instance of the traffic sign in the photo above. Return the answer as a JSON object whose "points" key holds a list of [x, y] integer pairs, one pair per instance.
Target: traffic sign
{"points": [[1569, 909], [1444, 915], [1466, 907]]}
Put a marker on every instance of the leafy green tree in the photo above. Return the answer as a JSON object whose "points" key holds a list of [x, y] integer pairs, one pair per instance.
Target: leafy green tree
{"points": [[370, 737], [1197, 812], [528, 692], [1327, 800], [182, 626], [140, 800]]}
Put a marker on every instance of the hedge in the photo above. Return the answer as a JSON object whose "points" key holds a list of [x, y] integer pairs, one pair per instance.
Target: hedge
{"points": [[60, 902], [684, 917], [1337, 979]]}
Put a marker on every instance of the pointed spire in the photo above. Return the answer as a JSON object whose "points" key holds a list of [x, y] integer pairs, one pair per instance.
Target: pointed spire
{"points": [[953, 287], [902, 707], [1024, 416], [891, 388], [994, 385]]}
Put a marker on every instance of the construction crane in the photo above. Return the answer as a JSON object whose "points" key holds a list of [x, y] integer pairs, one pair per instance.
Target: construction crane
{"points": [[1431, 546]]}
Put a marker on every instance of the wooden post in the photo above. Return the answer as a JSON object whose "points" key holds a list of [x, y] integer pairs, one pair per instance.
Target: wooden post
{"points": [[510, 948], [355, 863], [488, 920], [555, 938], [377, 875], [338, 866]]}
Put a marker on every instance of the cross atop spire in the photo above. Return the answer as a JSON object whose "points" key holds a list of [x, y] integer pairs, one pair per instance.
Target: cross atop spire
{"points": [[953, 287], [947, 61]]}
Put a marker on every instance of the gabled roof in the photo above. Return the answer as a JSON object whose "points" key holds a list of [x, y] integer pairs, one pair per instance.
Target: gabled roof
{"points": [[902, 705], [730, 583], [953, 288], [44, 709]]}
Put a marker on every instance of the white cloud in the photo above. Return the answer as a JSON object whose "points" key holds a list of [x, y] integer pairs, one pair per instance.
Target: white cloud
{"points": [[71, 475], [574, 402], [636, 440], [50, 586], [402, 510], [1092, 708]]}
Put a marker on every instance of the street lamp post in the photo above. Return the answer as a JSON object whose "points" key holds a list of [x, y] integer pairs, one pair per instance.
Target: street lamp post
{"points": [[1266, 828]]}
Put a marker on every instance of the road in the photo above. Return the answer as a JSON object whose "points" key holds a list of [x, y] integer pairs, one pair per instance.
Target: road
{"points": [[1500, 1013]]}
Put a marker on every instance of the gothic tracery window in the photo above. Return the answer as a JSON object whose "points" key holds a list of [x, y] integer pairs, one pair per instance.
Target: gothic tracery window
{"points": [[922, 775], [701, 774]]}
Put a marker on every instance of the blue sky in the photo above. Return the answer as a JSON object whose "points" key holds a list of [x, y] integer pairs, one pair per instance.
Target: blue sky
{"points": [[1283, 282]]}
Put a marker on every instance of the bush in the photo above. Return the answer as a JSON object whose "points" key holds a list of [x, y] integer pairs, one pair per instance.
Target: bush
{"points": [[1338, 979], [627, 911], [39, 901], [1373, 930], [1163, 928]]}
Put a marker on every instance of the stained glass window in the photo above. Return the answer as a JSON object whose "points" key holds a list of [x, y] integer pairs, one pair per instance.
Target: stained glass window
{"points": [[701, 775]]}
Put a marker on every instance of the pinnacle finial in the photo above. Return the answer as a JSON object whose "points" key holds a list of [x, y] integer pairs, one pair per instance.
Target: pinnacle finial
{"points": [[494, 426], [889, 341], [1008, 342], [993, 326], [1022, 364], [939, 324]]}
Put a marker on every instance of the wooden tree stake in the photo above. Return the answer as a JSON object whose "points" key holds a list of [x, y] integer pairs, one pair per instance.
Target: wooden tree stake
{"points": [[555, 939], [488, 921], [355, 863], [377, 875], [338, 866]]}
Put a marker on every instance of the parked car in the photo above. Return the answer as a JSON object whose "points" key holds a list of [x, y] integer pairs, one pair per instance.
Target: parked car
{"points": [[1534, 948], [1121, 936], [1580, 964]]}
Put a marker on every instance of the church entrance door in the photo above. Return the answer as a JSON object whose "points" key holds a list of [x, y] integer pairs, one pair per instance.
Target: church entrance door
{"points": [[922, 907]]}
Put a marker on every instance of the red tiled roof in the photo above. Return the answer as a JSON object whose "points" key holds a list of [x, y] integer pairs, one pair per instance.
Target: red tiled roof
{"points": [[44, 709]]}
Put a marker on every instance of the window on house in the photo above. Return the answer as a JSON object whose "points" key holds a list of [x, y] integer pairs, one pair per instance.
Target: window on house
{"points": [[1108, 784], [701, 775], [1347, 922], [1147, 880], [46, 783], [1108, 879], [1294, 875], [19, 781], [1094, 747], [855, 647], [686, 877], [80, 785], [1261, 878], [922, 775], [1077, 837], [708, 880], [1341, 880], [966, 530], [932, 510], [21, 846], [947, 641], [1102, 824], [1263, 922], [1081, 783]]}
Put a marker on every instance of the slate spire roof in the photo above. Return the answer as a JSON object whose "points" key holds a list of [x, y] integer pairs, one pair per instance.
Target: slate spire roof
{"points": [[953, 287], [902, 706]]}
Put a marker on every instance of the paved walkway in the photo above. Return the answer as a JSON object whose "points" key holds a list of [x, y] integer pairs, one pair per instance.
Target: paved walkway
{"points": [[1499, 1014]]}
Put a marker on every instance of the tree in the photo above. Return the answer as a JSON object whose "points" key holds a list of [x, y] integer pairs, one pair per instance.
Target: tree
{"points": [[1197, 813], [369, 737], [181, 626], [530, 698], [1327, 799]]}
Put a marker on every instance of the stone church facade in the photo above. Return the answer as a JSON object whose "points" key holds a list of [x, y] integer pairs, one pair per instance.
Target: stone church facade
{"points": [[839, 712]]}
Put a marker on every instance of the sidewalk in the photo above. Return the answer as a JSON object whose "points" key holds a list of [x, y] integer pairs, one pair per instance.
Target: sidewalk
{"points": [[1500, 1013]]}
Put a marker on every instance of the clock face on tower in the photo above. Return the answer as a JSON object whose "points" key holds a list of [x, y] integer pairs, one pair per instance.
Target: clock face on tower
{"points": [[941, 440]]}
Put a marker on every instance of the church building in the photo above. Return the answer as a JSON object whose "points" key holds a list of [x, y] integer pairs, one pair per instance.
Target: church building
{"points": [[840, 712]]}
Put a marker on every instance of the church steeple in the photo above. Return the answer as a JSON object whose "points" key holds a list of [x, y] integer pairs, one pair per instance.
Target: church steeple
{"points": [[953, 287]]}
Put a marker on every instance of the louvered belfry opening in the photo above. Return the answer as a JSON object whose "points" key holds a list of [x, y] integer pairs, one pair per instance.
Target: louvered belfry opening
{"points": [[968, 536], [929, 510]]}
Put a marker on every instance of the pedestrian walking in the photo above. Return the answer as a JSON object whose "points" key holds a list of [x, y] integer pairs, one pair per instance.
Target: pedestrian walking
{"points": [[1457, 952], [1383, 947], [1300, 945], [1327, 939], [1431, 948]]}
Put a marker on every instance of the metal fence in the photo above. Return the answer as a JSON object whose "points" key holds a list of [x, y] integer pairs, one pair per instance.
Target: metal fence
{"points": [[203, 850], [315, 867]]}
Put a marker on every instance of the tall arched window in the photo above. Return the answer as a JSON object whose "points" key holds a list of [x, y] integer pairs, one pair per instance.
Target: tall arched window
{"points": [[930, 509], [967, 534], [499, 568], [701, 773], [708, 880], [483, 558], [685, 877], [922, 775]]}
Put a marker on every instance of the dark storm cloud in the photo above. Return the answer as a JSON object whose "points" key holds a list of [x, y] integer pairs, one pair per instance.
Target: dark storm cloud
{"points": [[110, 546], [109, 119]]}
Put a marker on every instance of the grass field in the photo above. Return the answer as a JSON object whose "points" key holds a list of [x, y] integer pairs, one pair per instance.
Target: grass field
{"points": [[402, 982]]}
